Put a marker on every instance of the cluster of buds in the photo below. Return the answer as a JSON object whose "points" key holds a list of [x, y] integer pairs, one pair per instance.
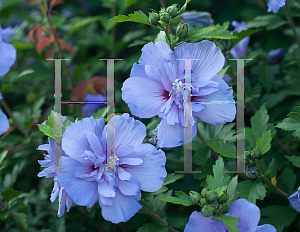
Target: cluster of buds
{"points": [[212, 202], [252, 156], [165, 16]]}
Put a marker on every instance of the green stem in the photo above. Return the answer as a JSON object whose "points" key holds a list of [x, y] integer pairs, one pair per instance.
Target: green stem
{"points": [[157, 218], [58, 47], [291, 21], [273, 186], [20, 128]]}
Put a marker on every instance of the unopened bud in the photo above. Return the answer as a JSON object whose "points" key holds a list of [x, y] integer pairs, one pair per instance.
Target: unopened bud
{"points": [[255, 154], [203, 192], [195, 197], [172, 10], [251, 175], [164, 17], [203, 201], [182, 30], [223, 198], [211, 196], [154, 18], [223, 209], [208, 210]]}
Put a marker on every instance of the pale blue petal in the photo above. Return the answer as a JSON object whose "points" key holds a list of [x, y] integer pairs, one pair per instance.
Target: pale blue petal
{"points": [[198, 223], [75, 141], [128, 131], [217, 114], [8, 55], [129, 187], [265, 228], [4, 124], [170, 136], [211, 58], [247, 212], [84, 193], [143, 96], [6, 33], [274, 5], [294, 201], [151, 173], [122, 208]]}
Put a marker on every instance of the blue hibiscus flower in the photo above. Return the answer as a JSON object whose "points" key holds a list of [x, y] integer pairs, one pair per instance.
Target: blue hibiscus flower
{"points": [[194, 18], [295, 200], [48, 162], [89, 109], [8, 52], [4, 124], [117, 183], [248, 213], [274, 5], [239, 50], [155, 87]]}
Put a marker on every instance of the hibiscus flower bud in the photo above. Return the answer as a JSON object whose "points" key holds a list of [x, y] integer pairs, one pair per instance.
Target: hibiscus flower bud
{"points": [[195, 197], [172, 10], [275, 56], [208, 210], [251, 175], [203, 192], [223, 209], [164, 16], [182, 30], [203, 201], [211, 196], [154, 18], [223, 198], [255, 154]]}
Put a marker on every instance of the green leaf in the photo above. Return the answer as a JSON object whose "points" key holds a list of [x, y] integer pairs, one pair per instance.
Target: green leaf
{"points": [[4, 214], [181, 198], [279, 216], [171, 178], [251, 190], [212, 32], [220, 178], [228, 221], [263, 144], [259, 124], [137, 16], [10, 194], [149, 194], [80, 22], [202, 155], [47, 130], [292, 123], [289, 178], [100, 113], [223, 71], [21, 217], [183, 7], [36, 108], [241, 35], [3, 155], [226, 25], [233, 195], [271, 21], [226, 149], [294, 159]]}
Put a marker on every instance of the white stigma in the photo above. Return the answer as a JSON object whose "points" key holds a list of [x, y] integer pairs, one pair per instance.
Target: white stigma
{"points": [[177, 86]]}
